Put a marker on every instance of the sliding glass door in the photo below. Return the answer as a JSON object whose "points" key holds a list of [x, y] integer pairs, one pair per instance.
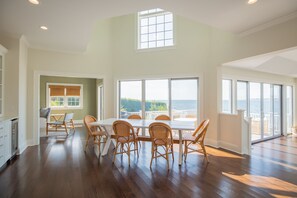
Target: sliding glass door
{"points": [[289, 108], [156, 98], [175, 97], [184, 104], [255, 110], [265, 110], [277, 107], [130, 98]]}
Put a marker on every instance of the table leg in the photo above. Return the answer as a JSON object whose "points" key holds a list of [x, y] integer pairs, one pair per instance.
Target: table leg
{"points": [[107, 144], [180, 157]]}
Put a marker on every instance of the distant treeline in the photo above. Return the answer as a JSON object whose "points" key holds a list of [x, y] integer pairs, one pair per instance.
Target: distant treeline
{"points": [[133, 105]]}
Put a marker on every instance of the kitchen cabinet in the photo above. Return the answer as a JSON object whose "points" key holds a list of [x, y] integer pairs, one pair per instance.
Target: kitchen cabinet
{"points": [[5, 141]]}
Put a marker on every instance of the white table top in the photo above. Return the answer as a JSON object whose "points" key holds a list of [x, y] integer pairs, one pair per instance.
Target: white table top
{"points": [[175, 125]]}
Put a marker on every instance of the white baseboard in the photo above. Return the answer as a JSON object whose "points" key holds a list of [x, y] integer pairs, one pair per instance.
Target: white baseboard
{"points": [[22, 149], [211, 142], [230, 147]]}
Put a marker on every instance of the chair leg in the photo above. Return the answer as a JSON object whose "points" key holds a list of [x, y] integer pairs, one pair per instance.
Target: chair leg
{"points": [[87, 142], [115, 151], [172, 152], [167, 157], [204, 152], [186, 150], [136, 143], [129, 152], [72, 123], [66, 129], [153, 152]]}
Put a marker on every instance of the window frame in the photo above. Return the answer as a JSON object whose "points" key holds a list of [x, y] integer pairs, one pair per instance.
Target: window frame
{"points": [[65, 106], [138, 28]]}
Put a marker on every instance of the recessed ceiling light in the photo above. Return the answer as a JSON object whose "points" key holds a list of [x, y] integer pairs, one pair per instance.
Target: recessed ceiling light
{"points": [[252, 1], [43, 27], [35, 2]]}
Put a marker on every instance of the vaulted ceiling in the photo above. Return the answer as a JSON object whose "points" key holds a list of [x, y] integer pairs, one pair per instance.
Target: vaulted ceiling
{"points": [[70, 22]]}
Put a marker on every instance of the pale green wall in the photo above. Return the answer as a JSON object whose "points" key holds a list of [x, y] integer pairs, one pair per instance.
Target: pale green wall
{"points": [[89, 95]]}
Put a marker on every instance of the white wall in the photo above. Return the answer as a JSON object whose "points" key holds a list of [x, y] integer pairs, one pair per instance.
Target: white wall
{"points": [[94, 63], [200, 51], [11, 81], [190, 57]]}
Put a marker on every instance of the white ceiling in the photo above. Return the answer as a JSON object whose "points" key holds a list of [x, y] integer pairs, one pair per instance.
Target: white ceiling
{"points": [[282, 62], [70, 22]]}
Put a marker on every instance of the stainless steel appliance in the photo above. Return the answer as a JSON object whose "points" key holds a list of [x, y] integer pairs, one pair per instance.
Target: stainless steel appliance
{"points": [[14, 136]]}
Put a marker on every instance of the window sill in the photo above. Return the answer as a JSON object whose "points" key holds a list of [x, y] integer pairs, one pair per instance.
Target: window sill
{"points": [[156, 49]]}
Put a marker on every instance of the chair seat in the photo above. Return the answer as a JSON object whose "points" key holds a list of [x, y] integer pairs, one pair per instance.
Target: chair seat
{"points": [[125, 139], [56, 123], [98, 133], [160, 142], [188, 137]]}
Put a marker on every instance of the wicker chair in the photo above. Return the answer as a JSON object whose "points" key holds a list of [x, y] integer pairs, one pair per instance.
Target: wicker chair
{"points": [[94, 132], [125, 137], [196, 138], [136, 117], [161, 136], [162, 117], [67, 120]]}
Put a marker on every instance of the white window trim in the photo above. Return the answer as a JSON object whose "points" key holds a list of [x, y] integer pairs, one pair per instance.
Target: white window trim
{"points": [[65, 107], [137, 38]]}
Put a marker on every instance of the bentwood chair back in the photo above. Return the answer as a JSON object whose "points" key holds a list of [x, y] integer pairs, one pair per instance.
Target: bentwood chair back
{"points": [[162, 117], [125, 138], [197, 138], [94, 132], [161, 136], [136, 117], [200, 131]]}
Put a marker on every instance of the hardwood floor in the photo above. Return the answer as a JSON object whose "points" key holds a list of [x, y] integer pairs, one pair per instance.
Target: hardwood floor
{"points": [[60, 168]]}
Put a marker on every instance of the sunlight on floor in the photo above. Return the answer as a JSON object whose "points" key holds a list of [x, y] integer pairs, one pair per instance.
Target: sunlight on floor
{"points": [[276, 162], [270, 183], [220, 153]]}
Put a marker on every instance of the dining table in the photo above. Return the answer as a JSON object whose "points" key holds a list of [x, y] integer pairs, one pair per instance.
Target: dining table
{"points": [[177, 125]]}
